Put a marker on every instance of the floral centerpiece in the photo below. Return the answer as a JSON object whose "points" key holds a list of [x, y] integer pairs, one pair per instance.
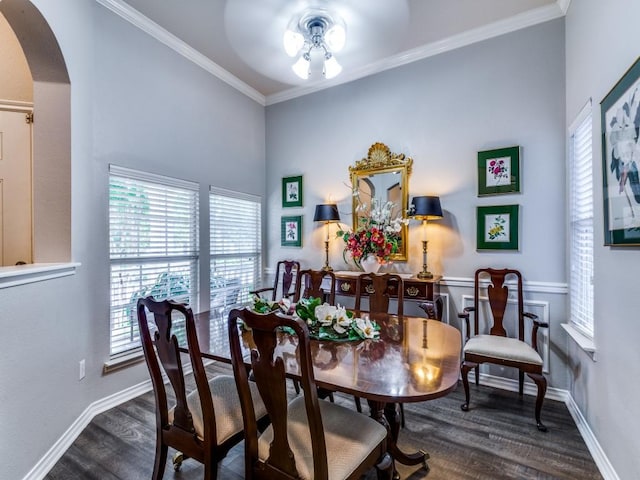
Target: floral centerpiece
{"points": [[325, 322], [378, 233]]}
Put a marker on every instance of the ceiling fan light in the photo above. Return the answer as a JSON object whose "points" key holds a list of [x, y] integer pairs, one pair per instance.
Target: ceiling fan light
{"points": [[331, 67], [335, 38], [293, 42], [301, 67]]}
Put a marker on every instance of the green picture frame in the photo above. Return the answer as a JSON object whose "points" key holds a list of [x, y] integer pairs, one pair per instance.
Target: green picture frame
{"points": [[498, 227], [292, 191], [291, 231], [499, 171], [620, 181]]}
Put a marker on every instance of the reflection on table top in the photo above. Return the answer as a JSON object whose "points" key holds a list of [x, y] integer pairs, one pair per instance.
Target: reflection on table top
{"points": [[415, 359]]}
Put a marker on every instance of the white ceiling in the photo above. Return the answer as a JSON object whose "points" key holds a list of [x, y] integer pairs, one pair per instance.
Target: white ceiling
{"points": [[240, 41]]}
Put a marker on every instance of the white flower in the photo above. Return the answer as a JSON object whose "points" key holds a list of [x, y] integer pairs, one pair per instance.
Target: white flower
{"points": [[325, 314], [285, 305], [342, 320], [365, 327]]}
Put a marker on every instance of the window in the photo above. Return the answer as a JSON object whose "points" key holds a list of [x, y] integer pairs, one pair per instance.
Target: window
{"points": [[236, 247], [153, 245], [581, 223]]}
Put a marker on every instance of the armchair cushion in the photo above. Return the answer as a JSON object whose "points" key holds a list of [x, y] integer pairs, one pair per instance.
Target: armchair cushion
{"points": [[225, 403], [350, 437], [504, 348]]}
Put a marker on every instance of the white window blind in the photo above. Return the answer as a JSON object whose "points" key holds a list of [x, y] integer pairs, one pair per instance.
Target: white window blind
{"points": [[236, 247], [153, 246], [581, 219]]}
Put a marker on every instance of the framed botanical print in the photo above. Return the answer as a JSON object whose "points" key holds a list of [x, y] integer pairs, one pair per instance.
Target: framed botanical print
{"points": [[291, 231], [497, 227], [499, 171], [621, 160], [292, 191]]}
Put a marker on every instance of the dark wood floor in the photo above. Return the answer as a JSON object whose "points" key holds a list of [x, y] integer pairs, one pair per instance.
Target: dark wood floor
{"points": [[496, 439]]}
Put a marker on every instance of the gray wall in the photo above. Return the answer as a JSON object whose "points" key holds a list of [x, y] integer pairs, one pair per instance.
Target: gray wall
{"points": [[15, 77], [138, 104], [602, 41], [441, 111]]}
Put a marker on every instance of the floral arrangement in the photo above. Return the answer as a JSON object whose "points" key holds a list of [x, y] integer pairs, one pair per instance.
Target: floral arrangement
{"points": [[378, 234], [325, 322]]}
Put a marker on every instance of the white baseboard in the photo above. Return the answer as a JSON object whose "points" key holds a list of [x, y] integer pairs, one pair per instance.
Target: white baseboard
{"points": [[46, 463], [599, 457]]}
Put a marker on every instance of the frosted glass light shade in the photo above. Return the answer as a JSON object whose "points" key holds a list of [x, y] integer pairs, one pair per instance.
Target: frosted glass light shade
{"points": [[293, 42], [335, 38], [331, 67], [301, 67]]}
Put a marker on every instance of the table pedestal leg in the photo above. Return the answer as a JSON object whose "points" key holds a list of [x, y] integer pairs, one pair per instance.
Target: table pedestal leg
{"points": [[388, 414]]}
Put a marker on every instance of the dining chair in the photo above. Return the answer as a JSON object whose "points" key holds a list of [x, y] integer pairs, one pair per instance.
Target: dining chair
{"points": [[379, 290], [205, 423], [286, 273], [496, 346], [313, 280], [309, 284], [305, 432]]}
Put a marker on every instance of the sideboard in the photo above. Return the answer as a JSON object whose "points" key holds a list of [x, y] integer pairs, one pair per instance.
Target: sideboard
{"points": [[426, 291]]}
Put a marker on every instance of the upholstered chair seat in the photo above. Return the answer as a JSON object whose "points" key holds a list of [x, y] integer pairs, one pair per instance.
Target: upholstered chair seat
{"points": [[349, 438], [225, 403], [502, 348]]}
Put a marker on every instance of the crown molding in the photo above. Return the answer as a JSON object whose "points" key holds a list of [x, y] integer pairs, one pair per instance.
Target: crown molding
{"points": [[563, 5], [148, 26], [517, 22]]}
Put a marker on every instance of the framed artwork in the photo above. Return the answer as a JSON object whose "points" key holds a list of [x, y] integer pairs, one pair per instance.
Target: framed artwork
{"points": [[620, 160], [292, 191], [497, 227], [499, 171], [291, 231]]}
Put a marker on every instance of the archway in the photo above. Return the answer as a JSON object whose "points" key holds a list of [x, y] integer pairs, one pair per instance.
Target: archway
{"points": [[51, 174]]}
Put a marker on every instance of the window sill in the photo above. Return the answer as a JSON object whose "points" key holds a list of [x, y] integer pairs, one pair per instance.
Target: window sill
{"points": [[123, 361], [585, 343], [34, 272]]}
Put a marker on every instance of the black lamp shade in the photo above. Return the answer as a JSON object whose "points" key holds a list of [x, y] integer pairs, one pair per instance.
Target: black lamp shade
{"points": [[426, 207], [326, 212]]}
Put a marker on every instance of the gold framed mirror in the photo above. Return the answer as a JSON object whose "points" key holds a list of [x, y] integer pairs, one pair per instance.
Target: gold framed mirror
{"points": [[382, 177]]}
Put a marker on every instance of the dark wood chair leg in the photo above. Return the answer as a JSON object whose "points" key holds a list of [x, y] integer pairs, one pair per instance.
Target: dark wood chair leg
{"points": [[521, 382], [358, 404], [477, 371], [296, 386], [464, 370], [161, 458], [541, 382]]}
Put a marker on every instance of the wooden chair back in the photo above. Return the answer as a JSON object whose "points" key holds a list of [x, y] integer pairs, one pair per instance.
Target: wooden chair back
{"points": [[380, 288], [269, 374], [286, 274], [498, 297], [313, 280], [161, 352]]}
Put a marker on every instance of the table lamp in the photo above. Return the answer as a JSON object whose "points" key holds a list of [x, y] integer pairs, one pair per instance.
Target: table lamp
{"points": [[425, 208], [327, 213]]}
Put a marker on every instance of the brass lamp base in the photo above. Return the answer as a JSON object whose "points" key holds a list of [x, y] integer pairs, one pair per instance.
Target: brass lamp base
{"points": [[327, 267], [424, 273]]}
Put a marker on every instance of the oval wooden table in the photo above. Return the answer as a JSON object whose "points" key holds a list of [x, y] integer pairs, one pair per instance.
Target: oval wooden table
{"points": [[415, 359]]}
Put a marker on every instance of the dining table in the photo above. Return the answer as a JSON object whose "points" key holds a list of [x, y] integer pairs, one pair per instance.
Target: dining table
{"points": [[414, 359]]}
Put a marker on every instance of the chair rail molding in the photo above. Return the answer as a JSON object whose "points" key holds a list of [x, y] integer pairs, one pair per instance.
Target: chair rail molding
{"points": [[532, 287]]}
